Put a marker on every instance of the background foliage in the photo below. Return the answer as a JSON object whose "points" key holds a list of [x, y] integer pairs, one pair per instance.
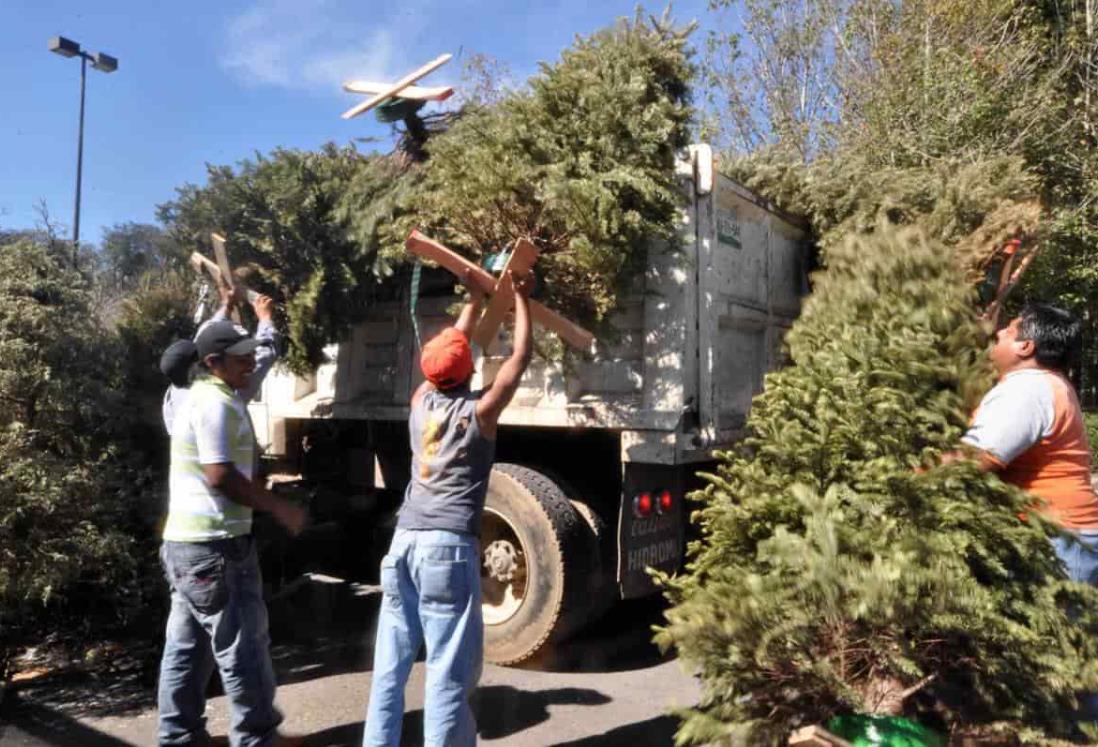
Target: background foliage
{"points": [[72, 480]]}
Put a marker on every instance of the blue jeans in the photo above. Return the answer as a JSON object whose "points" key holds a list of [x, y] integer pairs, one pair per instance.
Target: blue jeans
{"points": [[1079, 555], [1080, 558], [430, 593], [218, 618]]}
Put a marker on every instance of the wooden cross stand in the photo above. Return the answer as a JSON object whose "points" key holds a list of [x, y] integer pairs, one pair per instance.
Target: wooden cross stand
{"points": [[815, 736], [403, 88], [502, 293], [220, 269]]}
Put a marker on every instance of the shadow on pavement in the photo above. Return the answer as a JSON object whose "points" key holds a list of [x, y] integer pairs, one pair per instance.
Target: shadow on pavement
{"points": [[344, 735], [350, 735], [33, 725], [503, 710], [322, 628], [655, 731], [619, 642], [125, 684]]}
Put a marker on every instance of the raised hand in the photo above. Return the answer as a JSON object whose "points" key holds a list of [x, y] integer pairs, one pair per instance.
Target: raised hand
{"points": [[263, 306]]}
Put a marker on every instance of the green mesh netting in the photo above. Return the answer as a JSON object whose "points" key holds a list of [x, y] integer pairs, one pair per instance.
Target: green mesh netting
{"points": [[396, 109], [883, 731]]}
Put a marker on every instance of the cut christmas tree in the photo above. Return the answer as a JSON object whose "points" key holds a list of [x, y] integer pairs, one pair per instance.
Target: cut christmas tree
{"points": [[581, 161], [834, 576]]}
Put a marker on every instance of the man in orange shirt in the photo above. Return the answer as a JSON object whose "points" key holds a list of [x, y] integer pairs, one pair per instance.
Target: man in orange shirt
{"points": [[1029, 428]]}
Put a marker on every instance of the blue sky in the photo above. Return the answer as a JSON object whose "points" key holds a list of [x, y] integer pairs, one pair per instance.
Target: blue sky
{"points": [[206, 81]]}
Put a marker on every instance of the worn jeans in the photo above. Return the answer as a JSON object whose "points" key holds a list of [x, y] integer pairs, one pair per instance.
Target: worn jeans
{"points": [[430, 593], [218, 618]]}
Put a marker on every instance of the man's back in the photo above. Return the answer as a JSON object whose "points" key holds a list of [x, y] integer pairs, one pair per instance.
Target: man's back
{"points": [[451, 462]]}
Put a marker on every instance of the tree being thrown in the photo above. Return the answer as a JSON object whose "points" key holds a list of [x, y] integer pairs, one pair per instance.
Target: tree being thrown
{"points": [[832, 577], [581, 160]]}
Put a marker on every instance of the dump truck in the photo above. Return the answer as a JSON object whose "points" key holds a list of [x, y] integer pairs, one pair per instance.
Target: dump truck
{"points": [[597, 452]]}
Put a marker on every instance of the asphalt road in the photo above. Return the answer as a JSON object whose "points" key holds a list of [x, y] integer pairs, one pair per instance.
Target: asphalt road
{"points": [[610, 686]]}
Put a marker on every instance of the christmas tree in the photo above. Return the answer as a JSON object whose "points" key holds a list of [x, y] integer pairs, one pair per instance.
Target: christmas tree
{"points": [[836, 574], [581, 160]]}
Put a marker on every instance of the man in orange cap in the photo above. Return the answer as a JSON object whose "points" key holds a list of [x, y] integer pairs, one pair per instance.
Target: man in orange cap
{"points": [[431, 576]]}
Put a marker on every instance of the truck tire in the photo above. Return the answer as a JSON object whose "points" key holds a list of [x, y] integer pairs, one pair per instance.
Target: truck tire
{"points": [[536, 552], [601, 593]]}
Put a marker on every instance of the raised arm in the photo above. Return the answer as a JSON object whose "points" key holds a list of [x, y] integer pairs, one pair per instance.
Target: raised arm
{"points": [[228, 295], [270, 345], [499, 395], [467, 319]]}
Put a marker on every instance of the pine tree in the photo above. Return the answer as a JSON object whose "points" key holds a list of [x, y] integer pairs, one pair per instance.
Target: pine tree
{"points": [[69, 489], [582, 159], [832, 576]]}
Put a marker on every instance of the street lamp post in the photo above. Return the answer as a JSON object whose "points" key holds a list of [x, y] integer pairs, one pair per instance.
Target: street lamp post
{"points": [[104, 63]]}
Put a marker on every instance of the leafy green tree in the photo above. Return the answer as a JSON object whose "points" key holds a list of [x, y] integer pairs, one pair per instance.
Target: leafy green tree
{"points": [[833, 576], [926, 101], [279, 213], [69, 488], [129, 250]]}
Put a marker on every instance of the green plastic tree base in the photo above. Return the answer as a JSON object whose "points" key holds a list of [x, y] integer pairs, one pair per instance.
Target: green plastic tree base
{"points": [[885, 731]]}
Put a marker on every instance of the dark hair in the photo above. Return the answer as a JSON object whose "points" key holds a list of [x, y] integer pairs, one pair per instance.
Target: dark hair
{"points": [[1056, 334]]}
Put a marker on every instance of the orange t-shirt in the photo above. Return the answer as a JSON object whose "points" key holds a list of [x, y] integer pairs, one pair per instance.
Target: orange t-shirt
{"points": [[1032, 424]]}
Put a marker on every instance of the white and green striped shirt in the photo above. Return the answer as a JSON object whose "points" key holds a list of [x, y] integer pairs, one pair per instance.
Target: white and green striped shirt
{"points": [[213, 427]]}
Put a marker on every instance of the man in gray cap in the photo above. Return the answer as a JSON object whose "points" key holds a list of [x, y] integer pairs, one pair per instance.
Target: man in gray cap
{"points": [[209, 554], [177, 361]]}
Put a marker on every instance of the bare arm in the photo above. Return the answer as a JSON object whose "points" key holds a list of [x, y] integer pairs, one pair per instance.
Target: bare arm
{"points": [[499, 395], [226, 479], [467, 319]]}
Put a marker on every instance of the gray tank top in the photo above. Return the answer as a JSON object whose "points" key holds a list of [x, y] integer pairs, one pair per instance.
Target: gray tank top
{"points": [[451, 462]]}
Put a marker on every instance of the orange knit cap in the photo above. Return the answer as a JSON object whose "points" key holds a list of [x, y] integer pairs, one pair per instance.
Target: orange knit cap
{"points": [[447, 360]]}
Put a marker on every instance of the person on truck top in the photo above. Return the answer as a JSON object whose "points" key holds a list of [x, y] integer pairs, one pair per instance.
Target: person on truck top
{"points": [[178, 360], [431, 575]]}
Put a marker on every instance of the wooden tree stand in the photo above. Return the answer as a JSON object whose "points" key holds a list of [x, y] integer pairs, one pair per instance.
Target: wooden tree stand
{"points": [[816, 736], [501, 293]]}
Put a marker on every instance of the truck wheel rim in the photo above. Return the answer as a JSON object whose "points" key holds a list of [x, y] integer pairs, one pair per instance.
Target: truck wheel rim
{"points": [[503, 571]]}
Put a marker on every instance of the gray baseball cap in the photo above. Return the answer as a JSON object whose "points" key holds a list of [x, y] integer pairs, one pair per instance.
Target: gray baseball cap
{"points": [[224, 338]]}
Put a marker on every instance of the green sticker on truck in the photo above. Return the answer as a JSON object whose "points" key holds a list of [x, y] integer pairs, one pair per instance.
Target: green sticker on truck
{"points": [[728, 231]]}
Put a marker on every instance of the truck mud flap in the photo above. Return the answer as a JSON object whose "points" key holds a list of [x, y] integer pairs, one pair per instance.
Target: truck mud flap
{"points": [[651, 525]]}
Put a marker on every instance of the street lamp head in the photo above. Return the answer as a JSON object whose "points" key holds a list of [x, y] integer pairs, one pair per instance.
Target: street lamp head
{"points": [[104, 62], [64, 47]]}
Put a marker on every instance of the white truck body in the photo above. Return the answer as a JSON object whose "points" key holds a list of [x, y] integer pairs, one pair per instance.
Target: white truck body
{"points": [[673, 382], [693, 342]]}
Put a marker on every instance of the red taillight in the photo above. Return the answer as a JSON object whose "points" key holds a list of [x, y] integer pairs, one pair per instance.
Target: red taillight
{"points": [[665, 501], [642, 505]]}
